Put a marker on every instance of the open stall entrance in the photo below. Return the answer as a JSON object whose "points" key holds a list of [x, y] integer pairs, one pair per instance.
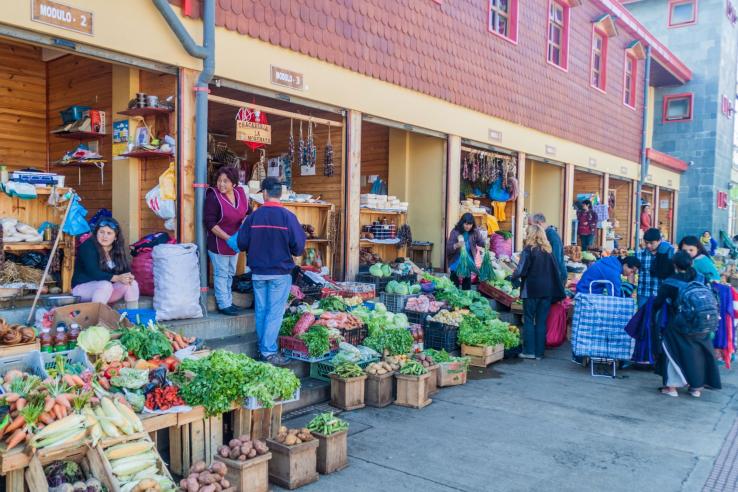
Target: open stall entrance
{"points": [[544, 192], [620, 203], [73, 122], [301, 146], [489, 191], [588, 186], [402, 200], [665, 214]]}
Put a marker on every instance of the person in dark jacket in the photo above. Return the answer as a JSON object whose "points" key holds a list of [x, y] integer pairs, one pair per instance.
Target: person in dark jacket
{"points": [[102, 272], [540, 286], [686, 360], [557, 246], [609, 269], [465, 234], [587, 224], [271, 236], [656, 264]]}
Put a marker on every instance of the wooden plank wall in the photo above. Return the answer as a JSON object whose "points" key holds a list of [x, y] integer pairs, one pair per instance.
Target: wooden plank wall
{"points": [[585, 182], [73, 80], [623, 208], [23, 135], [666, 215], [374, 153], [162, 85]]}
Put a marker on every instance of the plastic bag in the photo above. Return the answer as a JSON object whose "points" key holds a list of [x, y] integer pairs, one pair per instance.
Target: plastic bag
{"points": [[164, 209], [176, 282], [168, 183], [76, 223]]}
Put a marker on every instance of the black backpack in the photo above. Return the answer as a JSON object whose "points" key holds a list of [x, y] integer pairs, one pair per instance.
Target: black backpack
{"points": [[697, 309]]}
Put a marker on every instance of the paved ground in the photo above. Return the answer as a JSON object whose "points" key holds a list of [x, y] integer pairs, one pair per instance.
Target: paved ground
{"points": [[540, 425]]}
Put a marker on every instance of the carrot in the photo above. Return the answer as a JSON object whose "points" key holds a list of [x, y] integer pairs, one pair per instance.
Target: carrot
{"points": [[67, 378], [94, 400], [104, 383], [40, 425], [49, 403], [63, 401], [46, 418], [57, 411], [11, 397], [18, 437], [20, 404], [64, 411], [16, 424], [78, 381]]}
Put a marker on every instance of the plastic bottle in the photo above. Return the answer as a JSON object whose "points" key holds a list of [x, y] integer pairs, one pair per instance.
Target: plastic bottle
{"points": [[60, 340], [74, 330], [47, 340]]}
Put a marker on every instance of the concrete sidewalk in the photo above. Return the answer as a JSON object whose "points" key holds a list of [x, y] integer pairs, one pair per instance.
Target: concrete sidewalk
{"points": [[539, 425]]}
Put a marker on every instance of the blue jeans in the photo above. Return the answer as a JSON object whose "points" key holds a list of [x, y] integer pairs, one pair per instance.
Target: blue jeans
{"points": [[224, 268], [270, 299], [535, 313], [587, 240]]}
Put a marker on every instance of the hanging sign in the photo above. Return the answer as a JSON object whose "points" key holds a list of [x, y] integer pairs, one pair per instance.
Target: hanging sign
{"points": [[287, 78], [252, 128], [63, 16]]}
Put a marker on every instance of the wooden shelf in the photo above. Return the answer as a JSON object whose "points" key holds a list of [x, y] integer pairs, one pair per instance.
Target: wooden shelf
{"points": [[148, 154], [83, 162], [368, 242], [374, 211], [27, 246], [146, 111], [80, 135], [306, 204], [317, 240]]}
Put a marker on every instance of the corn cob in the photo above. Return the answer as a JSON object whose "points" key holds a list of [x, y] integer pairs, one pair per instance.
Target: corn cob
{"points": [[129, 415], [128, 449], [107, 427], [115, 417], [54, 428]]}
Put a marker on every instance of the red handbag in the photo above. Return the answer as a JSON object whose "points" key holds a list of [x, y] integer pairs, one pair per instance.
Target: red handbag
{"points": [[556, 325]]}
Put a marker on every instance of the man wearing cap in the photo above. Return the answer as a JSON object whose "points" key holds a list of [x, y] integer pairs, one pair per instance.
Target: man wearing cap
{"points": [[271, 236], [656, 264]]}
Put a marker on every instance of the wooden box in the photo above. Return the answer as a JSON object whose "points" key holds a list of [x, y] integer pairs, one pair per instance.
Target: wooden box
{"points": [[262, 423], [293, 466], [108, 470], [379, 390], [451, 374], [483, 356], [250, 475], [88, 459], [19, 348], [332, 452], [412, 391], [195, 441], [433, 380], [347, 394]]}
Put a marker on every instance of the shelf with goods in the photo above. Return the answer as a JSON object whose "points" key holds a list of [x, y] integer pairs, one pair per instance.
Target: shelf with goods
{"points": [[388, 252]]}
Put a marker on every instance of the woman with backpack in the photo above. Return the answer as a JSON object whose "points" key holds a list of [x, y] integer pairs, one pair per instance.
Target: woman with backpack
{"points": [[701, 260], [686, 358]]}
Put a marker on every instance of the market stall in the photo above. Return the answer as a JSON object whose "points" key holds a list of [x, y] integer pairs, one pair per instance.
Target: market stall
{"points": [[588, 186], [544, 186], [620, 203]]}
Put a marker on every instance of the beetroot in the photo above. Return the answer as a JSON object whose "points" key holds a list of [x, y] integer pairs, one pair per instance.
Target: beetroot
{"points": [[303, 324]]}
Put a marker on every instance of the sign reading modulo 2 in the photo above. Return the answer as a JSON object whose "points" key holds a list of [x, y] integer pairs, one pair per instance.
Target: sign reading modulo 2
{"points": [[63, 16], [287, 78]]}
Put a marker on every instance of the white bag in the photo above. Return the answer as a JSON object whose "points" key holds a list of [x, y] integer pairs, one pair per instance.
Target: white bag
{"points": [[176, 282], [164, 209]]}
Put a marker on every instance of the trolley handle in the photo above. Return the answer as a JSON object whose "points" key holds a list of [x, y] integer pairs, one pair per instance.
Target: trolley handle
{"points": [[606, 282]]}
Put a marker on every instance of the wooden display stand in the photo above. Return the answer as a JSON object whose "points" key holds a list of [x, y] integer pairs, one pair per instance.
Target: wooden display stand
{"points": [[35, 212], [347, 394], [194, 441], [292, 467], [380, 389], [388, 252], [250, 475], [412, 391], [332, 452], [483, 356], [261, 424], [433, 380], [89, 459]]}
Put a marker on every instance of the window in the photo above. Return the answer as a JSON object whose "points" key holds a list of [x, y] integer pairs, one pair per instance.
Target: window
{"points": [[599, 59], [682, 13], [558, 33], [629, 85], [503, 19], [677, 107]]}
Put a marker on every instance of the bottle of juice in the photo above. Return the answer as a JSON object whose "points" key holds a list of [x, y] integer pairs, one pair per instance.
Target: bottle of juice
{"points": [[74, 330], [60, 340], [47, 340]]}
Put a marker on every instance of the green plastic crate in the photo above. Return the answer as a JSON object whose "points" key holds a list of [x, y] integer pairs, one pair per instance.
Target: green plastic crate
{"points": [[321, 370]]}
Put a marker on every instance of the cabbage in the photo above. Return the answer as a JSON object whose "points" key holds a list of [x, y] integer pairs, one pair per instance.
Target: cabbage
{"points": [[402, 289], [94, 339], [386, 270], [392, 287], [376, 270], [415, 289], [500, 274], [380, 308], [114, 351]]}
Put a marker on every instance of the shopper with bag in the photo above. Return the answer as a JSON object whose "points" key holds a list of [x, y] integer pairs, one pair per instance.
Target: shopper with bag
{"points": [[226, 207], [102, 272], [557, 246], [687, 356], [271, 237], [609, 269], [465, 234], [538, 276], [701, 260]]}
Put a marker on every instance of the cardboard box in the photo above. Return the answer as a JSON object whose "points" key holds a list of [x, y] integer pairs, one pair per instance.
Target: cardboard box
{"points": [[89, 314], [97, 120]]}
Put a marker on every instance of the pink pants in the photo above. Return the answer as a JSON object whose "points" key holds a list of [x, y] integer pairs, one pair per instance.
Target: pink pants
{"points": [[106, 292]]}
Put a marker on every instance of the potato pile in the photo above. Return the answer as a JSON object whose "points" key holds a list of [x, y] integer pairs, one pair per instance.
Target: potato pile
{"points": [[290, 437], [396, 361], [243, 448], [379, 368], [426, 360], [204, 479]]}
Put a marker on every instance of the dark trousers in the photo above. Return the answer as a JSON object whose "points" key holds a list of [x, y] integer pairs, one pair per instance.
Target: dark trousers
{"points": [[587, 240], [535, 312], [464, 283]]}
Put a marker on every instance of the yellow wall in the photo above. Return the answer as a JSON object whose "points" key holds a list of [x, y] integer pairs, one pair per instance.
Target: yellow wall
{"points": [[544, 191], [324, 82]]}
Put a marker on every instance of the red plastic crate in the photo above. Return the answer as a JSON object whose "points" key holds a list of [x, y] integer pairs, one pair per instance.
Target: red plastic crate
{"points": [[494, 293], [295, 348]]}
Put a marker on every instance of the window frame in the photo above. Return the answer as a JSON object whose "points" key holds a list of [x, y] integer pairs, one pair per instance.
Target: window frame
{"points": [[565, 28], [512, 21], [630, 61], [602, 86], [670, 97], [691, 22]]}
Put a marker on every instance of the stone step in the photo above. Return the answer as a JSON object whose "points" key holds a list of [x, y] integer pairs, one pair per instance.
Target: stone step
{"points": [[312, 392], [215, 325], [241, 344], [242, 300]]}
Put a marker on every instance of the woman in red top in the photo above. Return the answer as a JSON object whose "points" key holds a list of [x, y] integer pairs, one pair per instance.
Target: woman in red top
{"points": [[645, 217], [226, 207], [587, 228]]}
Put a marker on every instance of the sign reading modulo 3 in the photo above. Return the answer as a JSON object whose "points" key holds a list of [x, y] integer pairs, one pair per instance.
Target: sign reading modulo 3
{"points": [[62, 16]]}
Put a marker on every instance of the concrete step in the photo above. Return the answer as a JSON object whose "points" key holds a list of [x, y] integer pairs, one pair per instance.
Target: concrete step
{"points": [[240, 344], [215, 326], [312, 392], [242, 300]]}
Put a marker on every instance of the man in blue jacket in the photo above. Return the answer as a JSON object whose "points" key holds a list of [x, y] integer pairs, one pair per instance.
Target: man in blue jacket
{"points": [[271, 236], [609, 269]]}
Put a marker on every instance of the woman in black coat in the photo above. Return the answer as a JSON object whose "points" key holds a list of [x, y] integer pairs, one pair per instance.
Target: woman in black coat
{"points": [[685, 359], [540, 286]]}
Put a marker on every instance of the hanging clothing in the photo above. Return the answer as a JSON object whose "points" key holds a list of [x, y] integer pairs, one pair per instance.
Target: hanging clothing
{"points": [[724, 336], [491, 222], [498, 209], [644, 328]]}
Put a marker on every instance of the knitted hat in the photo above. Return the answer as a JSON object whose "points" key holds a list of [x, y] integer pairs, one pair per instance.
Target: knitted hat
{"points": [[652, 234]]}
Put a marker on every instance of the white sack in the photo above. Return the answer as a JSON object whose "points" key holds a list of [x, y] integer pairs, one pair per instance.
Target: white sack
{"points": [[176, 282]]}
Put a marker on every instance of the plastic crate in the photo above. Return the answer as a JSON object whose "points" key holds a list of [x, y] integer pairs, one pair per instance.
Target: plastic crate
{"points": [[354, 336], [416, 317], [73, 113], [139, 316], [411, 278], [312, 293], [75, 356], [380, 283], [395, 303], [294, 348], [367, 291], [440, 336], [252, 403], [321, 370], [31, 362]]}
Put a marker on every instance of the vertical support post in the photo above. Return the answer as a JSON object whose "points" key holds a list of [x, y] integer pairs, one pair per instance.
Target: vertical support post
{"points": [[453, 181], [605, 200], [186, 145], [674, 215], [656, 208], [635, 215], [568, 201], [353, 190], [520, 225]]}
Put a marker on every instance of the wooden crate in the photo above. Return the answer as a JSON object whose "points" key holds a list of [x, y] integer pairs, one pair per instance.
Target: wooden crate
{"points": [[347, 394], [108, 470], [412, 391], [195, 441], [293, 466], [433, 380], [250, 475], [262, 423], [483, 356], [332, 452], [19, 348], [451, 374], [379, 390], [88, 459]]}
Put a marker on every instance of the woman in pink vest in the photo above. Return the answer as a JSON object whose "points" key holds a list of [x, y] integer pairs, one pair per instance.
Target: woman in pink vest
{"points": [[226, 207]]}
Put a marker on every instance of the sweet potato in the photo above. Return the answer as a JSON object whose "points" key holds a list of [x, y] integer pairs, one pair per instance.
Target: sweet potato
{"points": [[245, 448], [207, 478], [235, 453], [242, 458], [224, 451], [198, 467], [251, 454], [291, 440]]}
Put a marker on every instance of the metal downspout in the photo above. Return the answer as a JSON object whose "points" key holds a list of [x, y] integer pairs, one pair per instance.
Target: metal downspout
{"points": [[644, 138], [206, 52]]}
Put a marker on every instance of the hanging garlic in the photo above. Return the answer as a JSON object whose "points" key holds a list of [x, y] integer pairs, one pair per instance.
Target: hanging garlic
{"points": [[328, 169]]}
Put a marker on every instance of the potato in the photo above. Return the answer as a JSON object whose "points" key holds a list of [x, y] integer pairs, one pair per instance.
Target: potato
{"points": [[198, 467], [219, 467], [245, 448], [208, 488], [225, 483], [244, 437], [252, 454], [281, 437], [381, 371], [235, 452], [283, 429], [242, 458], [193, 485], [293, 431], [305, 430], [217, 486], [291, 440], [224, 451], [234, 443]]}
